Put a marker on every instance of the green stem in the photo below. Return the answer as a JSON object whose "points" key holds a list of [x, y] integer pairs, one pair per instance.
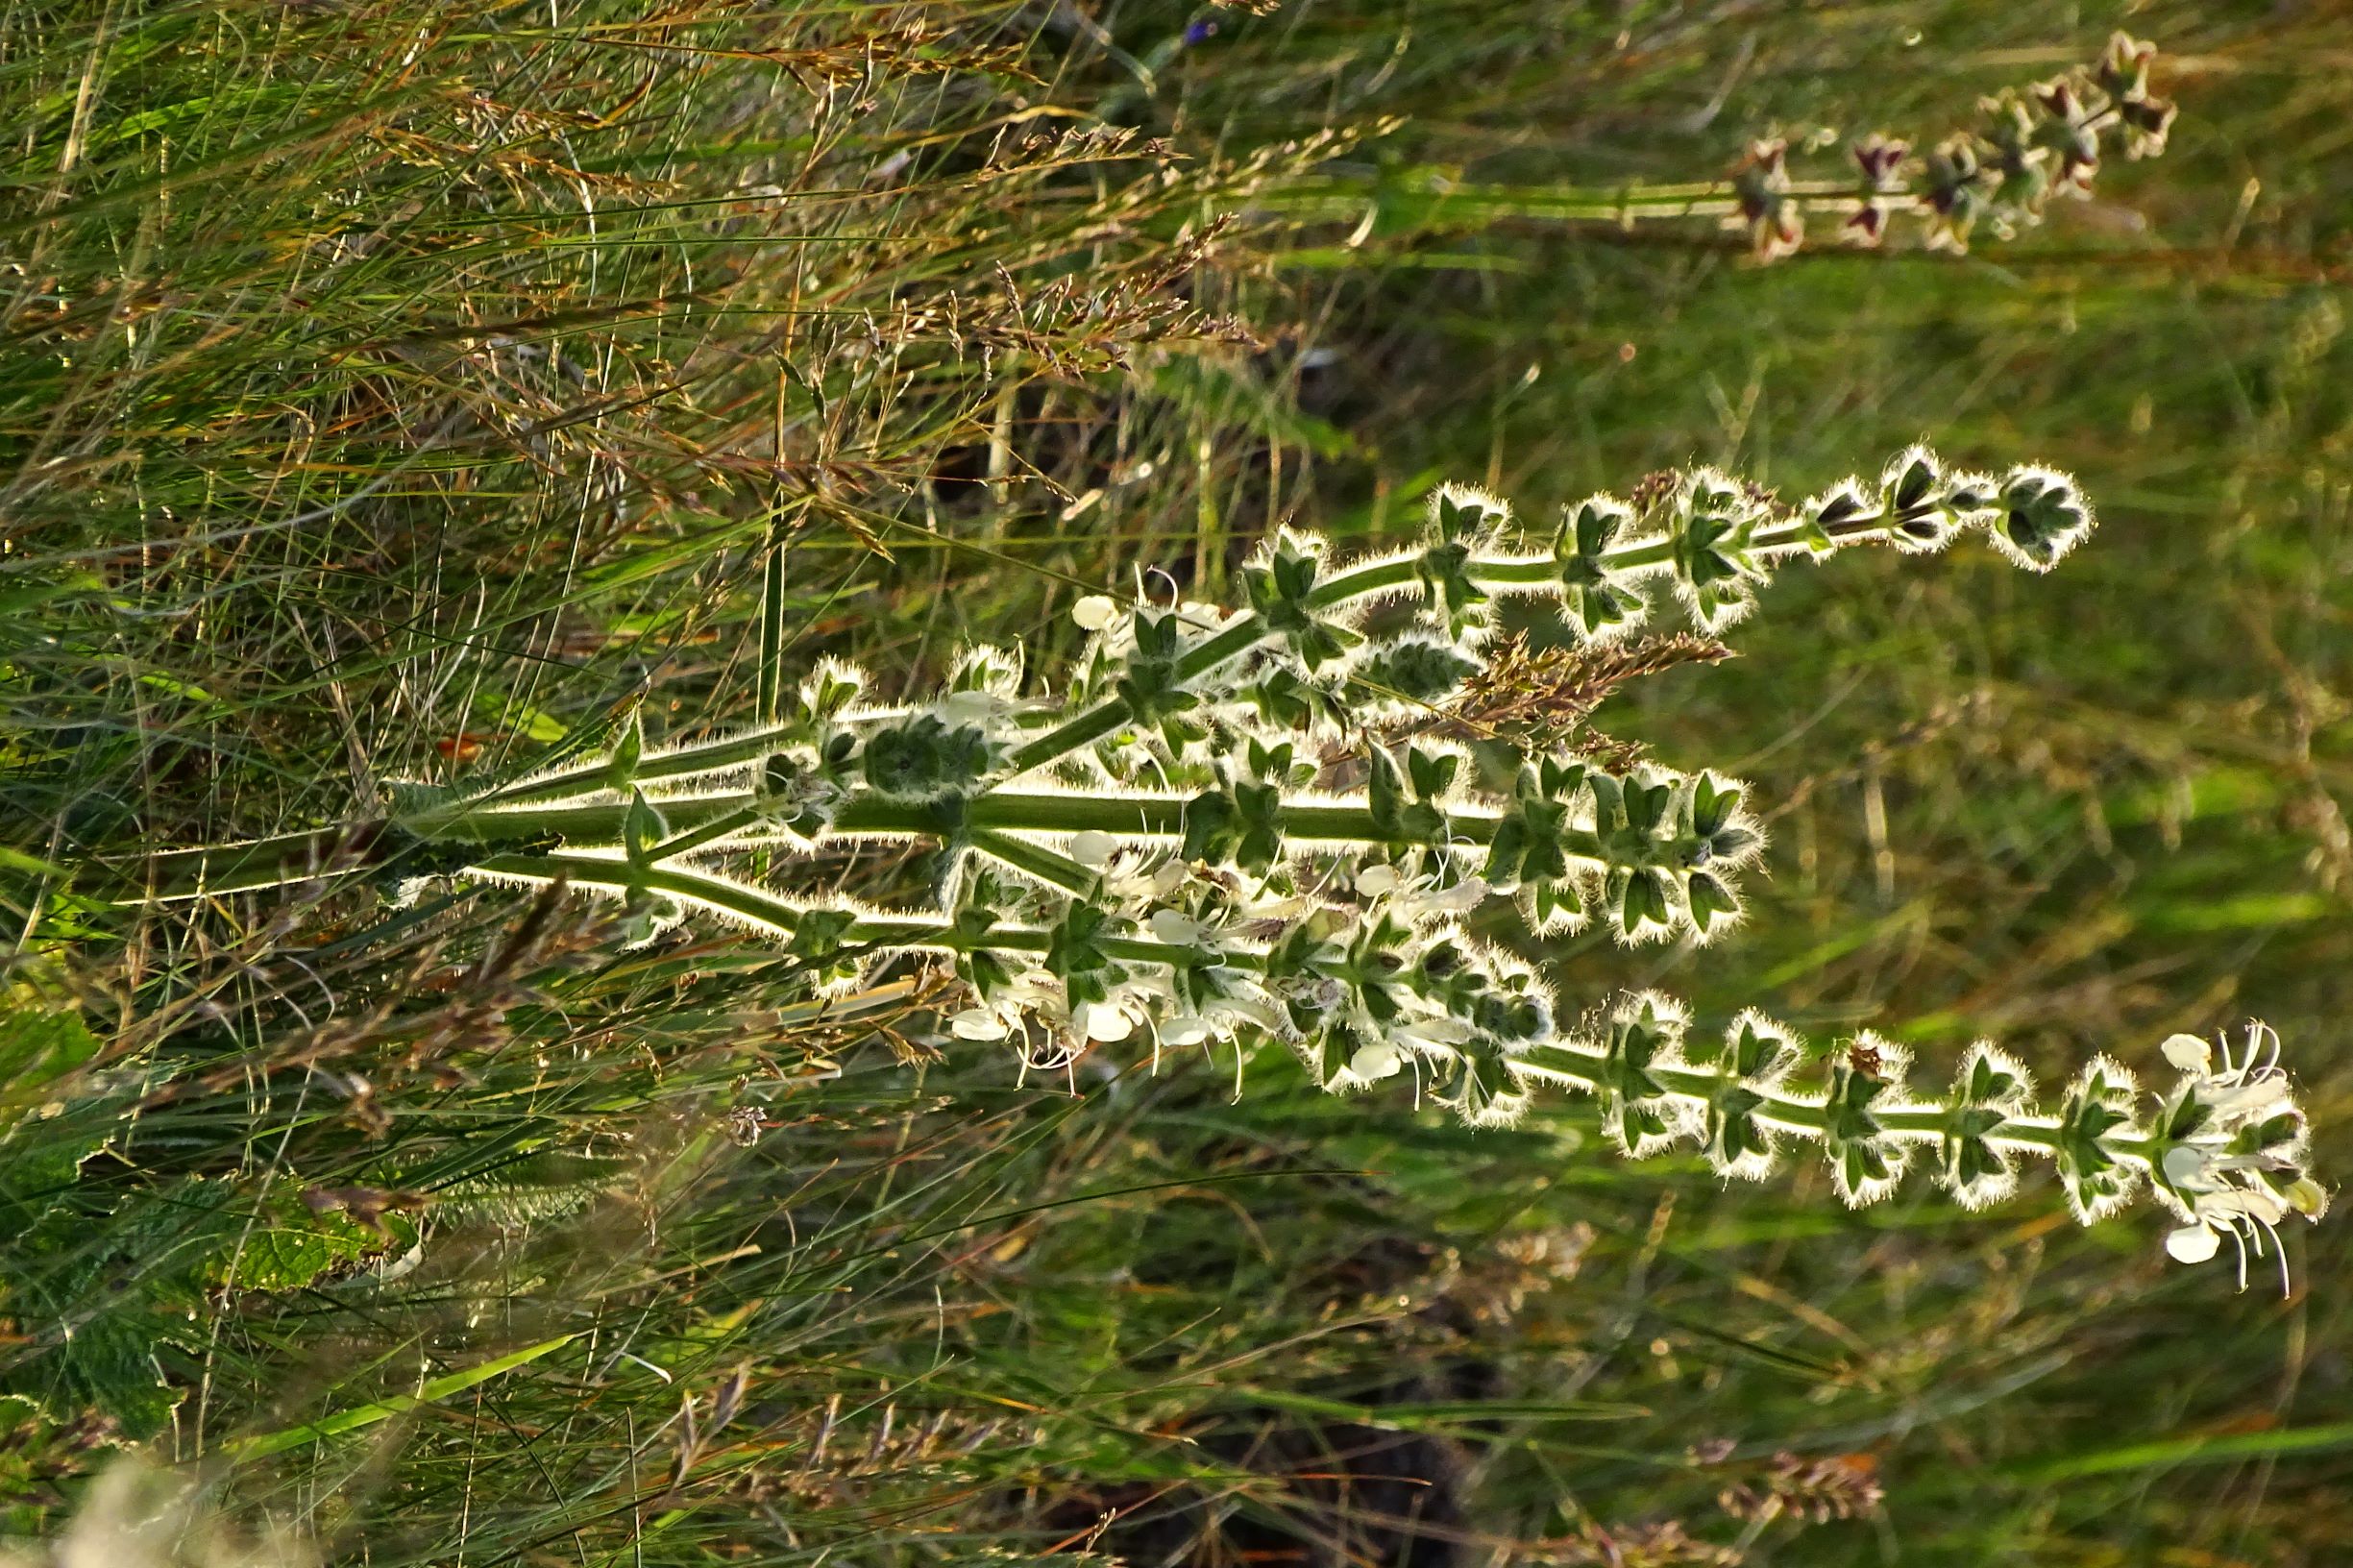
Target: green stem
{"points": [[1479, 205], [914, 931], [1575, 1064], [750, 905], [1780, 538], [285, 860], [1038, 861], [704, 820], [1582, 1067], [704, 757], [770, 692], [699, 820], [1635, 558], [710, 832]]}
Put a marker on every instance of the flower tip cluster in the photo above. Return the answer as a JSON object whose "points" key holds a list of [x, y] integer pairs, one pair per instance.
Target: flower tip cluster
{"points": [[2228, 1153], [2038, 141], [2043, 516], [2033, 516]]}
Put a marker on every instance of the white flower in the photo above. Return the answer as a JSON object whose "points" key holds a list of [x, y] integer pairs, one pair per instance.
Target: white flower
{"points": [[1435, 1036], [1108, 1021], [2232, 1171], [2187, 1053], [1220, 1020], [1402, 1042], [1132, 879], [1465, 896], [972, 709], [1186, 1029], [979, 1024], [2246, 1214], [1176, 929], [1008, 1014], [1093, 849], [2248, 1089], [1419, 899], [1096, 612], [2246, 1093], [2193, 1243]]}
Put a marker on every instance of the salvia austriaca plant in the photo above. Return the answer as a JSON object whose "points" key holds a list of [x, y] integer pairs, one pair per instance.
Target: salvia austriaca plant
{"points": [[2037, 142], [1203, 842]]}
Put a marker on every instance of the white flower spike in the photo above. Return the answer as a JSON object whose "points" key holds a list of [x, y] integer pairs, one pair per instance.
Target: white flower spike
{"points": [[1206, 840]]}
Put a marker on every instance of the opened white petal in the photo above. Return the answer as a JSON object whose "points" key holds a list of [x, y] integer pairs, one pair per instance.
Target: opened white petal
{"points": [[971, 707], [1092, 849], [1095, 611], [1108, 1024], [2258, 1101], [1463, 897], [2257, 1203], [1428, 1031], [2193, 1244], [2189, 1054], [2185, 1167], [1175, 929], [977, 1023]]}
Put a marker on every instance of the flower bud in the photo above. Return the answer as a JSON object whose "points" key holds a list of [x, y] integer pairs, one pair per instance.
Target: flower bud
{"points": [[924, 759], [1416, 671], [2044, 516]]}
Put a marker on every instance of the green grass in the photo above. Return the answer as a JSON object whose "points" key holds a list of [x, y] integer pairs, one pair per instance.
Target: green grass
{"points": [[402, 390]]}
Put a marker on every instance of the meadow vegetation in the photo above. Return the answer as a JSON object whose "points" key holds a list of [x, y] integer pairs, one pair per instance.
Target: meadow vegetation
{"points": [[403, 403]]}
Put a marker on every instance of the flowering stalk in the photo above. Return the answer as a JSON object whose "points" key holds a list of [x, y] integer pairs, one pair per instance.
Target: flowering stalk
{"points": [[2042, 140], [1203, 842], [2038, 143]]}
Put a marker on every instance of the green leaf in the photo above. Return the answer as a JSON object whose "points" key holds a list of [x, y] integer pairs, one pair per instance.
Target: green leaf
{"points": [[620, 768], [1710, 901], [36, 1050], [1646, 901], [642, 828], [110, 1363], [1916, 484], [383, 1409], [1711, 807], [291, 1256]]}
